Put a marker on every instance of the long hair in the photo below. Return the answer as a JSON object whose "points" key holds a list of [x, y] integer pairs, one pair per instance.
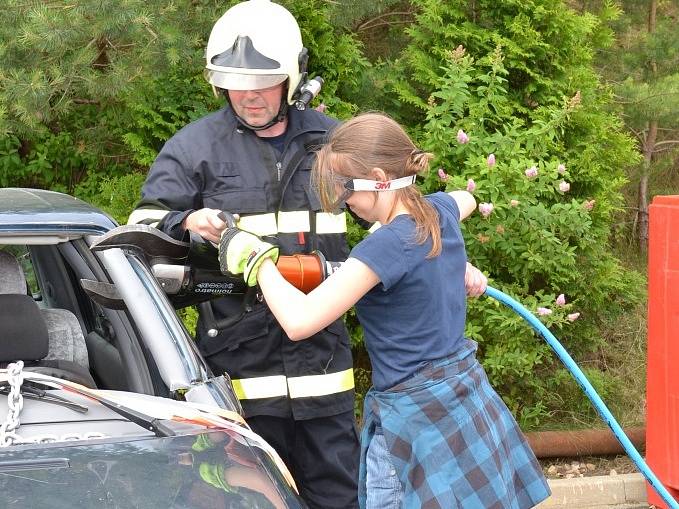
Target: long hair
{"points": [[374, 140]]}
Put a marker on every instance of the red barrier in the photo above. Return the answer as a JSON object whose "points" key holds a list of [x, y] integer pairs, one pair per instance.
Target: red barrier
{"points": [[662, 387]]}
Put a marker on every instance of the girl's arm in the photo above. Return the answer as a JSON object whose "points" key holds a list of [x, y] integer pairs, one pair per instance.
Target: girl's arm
{"points": [[302, 315], [465, 202]]}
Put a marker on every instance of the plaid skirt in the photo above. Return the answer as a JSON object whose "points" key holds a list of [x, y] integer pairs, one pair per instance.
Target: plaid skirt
{"points": [[452, 439]]}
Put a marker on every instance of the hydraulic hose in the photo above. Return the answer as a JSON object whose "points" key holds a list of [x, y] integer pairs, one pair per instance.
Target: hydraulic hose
{"points": [[587, 387]]}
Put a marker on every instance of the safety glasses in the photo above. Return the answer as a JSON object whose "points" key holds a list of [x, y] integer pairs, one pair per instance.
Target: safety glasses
{"points": [[347, 186]]}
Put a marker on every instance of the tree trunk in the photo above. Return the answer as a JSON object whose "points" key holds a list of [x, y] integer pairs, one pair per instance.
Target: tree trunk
{"points": [[649, 146]]}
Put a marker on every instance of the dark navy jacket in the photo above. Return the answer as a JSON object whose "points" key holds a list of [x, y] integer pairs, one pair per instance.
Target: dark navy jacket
{"points": [[214, 162]]}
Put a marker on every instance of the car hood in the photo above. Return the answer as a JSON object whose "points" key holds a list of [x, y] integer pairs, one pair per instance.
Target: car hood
{"points": [[168, 472], [134, 450]]}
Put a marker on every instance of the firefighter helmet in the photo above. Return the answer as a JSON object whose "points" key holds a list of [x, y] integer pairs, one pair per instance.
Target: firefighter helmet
{"points": [[256, 44]]}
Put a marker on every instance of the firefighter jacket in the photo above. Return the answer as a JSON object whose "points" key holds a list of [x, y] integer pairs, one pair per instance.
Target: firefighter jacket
{"points": [[215, 162]]}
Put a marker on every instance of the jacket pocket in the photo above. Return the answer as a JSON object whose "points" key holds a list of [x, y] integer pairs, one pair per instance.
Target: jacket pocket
{"points": [[238, 201], [252, 326], [225, 176]]}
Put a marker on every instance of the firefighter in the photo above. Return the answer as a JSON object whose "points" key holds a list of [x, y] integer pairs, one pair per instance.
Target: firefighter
{"points": [[253, 158]]}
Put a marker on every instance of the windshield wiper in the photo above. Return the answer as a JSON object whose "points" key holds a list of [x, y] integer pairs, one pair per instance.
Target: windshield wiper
{"points": [[30, 392], [152, 424]]}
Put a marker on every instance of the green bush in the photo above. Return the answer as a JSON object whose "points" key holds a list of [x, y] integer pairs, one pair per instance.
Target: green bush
{"points": [[515, 80]]}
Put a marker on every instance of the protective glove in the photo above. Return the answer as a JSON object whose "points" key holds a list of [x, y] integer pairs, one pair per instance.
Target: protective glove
{"points": [[241, 252], [213, 474]]}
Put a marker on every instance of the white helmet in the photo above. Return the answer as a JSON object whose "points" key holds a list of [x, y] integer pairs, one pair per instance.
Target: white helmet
{"points": [[256, 44]]}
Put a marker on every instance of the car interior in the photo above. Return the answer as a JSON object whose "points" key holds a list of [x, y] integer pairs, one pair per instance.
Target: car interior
{"points": [[86, 343]]}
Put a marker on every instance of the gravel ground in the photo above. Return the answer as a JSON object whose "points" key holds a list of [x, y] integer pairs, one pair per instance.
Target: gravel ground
{"points": [[587, 466]]}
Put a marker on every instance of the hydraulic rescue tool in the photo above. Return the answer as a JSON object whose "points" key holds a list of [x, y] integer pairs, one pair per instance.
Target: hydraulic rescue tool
{"points": [[189, 272]]}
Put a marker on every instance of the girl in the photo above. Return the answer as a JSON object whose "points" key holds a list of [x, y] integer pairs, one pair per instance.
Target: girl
{"points": [[435, 434]]}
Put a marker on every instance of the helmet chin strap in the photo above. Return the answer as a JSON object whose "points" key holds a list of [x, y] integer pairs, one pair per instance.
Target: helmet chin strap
{"points": [[279, 117]]}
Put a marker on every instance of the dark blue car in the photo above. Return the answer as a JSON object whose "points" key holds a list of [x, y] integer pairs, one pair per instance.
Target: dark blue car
{"points": [[111, 405]]}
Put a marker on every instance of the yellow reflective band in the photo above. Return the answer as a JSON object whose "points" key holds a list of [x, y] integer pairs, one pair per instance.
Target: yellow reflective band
{"points": [[259, 224], [260, 387], [143, 215], [293, 222], [321, 385], [331, 223]]}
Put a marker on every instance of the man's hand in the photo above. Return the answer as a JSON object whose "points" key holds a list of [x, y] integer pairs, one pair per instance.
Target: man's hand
{"points": [[475, 282], [241, 252], [206, 223]]}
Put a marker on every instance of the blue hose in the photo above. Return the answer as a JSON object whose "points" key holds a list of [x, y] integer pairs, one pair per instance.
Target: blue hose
{"points": [[580, 377]]}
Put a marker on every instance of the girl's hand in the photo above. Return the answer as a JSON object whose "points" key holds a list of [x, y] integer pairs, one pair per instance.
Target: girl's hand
{"points": [[241, 252], [475, 282]]}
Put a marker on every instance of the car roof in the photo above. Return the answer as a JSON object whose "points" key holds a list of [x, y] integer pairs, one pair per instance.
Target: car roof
{"points": [[37, 211]]}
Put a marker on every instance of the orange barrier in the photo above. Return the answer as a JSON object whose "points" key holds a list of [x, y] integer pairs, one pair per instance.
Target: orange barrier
{"points": [[662, 387]]}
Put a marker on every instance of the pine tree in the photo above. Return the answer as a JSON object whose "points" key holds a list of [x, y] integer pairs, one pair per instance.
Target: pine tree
{"points": [[643, 66], [67, 71]]}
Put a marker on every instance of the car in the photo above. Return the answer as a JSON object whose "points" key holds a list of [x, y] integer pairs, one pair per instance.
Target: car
{"points": [[105, 400]]}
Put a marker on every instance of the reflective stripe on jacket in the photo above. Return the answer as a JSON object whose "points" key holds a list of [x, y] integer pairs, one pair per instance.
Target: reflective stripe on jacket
{"points": [[216, 163]]}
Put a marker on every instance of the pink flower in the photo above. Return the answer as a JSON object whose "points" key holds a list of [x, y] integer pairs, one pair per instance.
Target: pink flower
{"points": [[321, 108], [544, 311], [589, 204], [564, 186], [443, 175], [561, 300], [462, 137], [561, 169], [485, 209], [531, 172], [491, 160], [514, 203], [471, 185], [573, 316]]}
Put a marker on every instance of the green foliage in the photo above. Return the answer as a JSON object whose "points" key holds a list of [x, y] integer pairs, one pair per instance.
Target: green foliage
{"points": [[335, 56], [642, 67], [159, 107], [68, 78], [521, 85], [118, 195]]}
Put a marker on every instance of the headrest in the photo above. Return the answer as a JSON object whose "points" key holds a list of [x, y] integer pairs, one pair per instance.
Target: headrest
{"points": [[23, 333], [12, 279]]}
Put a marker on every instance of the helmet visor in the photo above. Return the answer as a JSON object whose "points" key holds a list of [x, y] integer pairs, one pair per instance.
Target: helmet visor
{"points": [[238, 81]]}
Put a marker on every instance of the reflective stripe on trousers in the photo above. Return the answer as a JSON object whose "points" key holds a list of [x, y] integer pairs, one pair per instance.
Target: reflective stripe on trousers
{"points": [[295, 387]]}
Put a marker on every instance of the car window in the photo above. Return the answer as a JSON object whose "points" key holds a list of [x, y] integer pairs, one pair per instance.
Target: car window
{"points": [[123, 335]]}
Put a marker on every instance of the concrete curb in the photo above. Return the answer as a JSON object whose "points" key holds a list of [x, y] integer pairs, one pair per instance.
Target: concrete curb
{"points": [[597, 492]]}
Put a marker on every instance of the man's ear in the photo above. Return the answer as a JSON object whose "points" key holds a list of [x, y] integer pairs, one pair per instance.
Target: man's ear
{"points": [[378, 174]]}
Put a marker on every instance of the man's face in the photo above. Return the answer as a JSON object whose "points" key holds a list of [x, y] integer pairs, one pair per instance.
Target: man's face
{"points": [[257, 107]]}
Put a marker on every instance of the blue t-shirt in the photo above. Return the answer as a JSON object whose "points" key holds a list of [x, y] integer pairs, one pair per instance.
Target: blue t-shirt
{"points": [[416, 313]]}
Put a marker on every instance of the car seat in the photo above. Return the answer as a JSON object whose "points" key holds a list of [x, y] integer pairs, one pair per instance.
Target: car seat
{"points": [[24, 336], [65, 337]]}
